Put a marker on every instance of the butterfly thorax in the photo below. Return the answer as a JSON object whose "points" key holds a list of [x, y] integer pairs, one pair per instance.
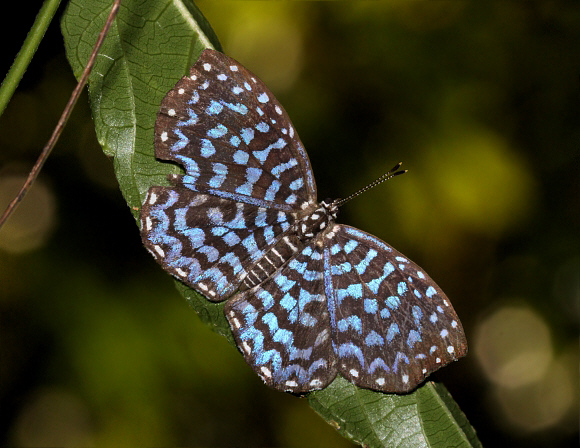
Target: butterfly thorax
{"points": [[314, 223], [304, 229]]}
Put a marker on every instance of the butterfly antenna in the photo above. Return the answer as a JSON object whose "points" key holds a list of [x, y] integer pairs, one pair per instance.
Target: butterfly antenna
{"points": [[388, 175]]}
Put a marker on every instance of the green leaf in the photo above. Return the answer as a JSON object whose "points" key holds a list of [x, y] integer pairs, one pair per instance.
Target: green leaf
{"points": [[151, 45], [427, 417], [149, 48]]}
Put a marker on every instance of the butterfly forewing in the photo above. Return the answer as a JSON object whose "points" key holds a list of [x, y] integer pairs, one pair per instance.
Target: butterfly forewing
{"points": [[391, 324], [234, 139]]}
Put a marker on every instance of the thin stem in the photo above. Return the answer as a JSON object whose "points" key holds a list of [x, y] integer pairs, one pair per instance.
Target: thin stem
{"points": [[64, 117], [29, 47]]}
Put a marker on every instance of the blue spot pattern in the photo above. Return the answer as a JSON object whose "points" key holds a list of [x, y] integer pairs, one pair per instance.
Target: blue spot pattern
{"points": [[307, 298]]}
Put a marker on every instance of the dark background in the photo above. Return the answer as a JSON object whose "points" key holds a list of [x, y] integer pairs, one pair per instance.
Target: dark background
{"points": [[480, 102]]}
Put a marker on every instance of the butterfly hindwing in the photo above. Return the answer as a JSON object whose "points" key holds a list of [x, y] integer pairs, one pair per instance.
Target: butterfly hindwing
{"points": [[205, 241], [282, 325], [391, 324]]}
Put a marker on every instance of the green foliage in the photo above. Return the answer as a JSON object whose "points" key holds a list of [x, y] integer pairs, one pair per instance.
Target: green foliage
{"points": [[426, 417], [150, 46]]}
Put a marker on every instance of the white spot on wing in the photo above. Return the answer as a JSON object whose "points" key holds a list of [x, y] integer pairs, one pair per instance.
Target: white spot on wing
{"points": [[322, 337]]}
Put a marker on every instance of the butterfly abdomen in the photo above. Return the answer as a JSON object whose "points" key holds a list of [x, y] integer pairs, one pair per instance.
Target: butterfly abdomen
{"points": [[272, 260], [294, 240]]}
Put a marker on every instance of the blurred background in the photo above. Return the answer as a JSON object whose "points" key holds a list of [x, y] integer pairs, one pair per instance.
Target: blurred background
{"points": [[480, 102]]}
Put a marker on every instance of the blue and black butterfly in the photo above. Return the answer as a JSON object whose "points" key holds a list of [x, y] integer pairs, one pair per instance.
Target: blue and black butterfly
{"points": [[307, 298]]}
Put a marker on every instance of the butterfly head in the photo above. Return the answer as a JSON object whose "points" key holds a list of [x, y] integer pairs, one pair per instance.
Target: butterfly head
{"points": [[330, 207]]}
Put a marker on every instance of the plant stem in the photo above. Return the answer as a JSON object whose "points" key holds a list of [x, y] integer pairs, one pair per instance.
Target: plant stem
{"points": [[29, 47]]}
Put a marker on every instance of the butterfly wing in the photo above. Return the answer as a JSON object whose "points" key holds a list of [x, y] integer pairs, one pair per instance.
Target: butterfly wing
{"points": [[391, 324], [223, 125], [282, 326], [247, 177], [205, 241]]}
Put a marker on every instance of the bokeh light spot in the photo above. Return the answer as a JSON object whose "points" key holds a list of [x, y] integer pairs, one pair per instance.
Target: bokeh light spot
{"points": [[481, 180], [32, 222], [54, 418], [268, 40], [513, 346], [542, 404]]}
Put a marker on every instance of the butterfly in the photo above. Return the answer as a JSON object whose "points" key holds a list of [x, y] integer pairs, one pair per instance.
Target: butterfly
{"points": [[307, 298]]}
